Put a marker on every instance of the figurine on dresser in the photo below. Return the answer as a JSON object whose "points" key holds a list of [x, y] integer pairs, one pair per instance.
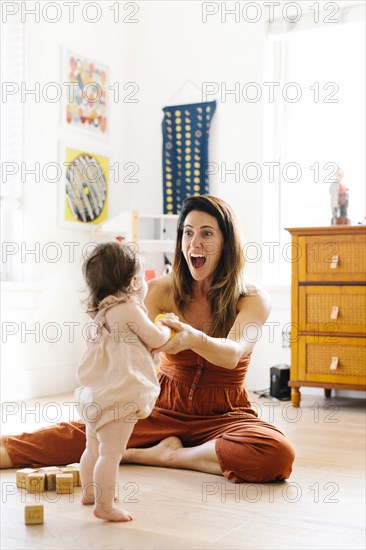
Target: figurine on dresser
{"points": [[339, 200]]}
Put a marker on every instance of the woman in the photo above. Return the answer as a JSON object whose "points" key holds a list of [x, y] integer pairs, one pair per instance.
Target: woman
{"points": [[202, 419]]}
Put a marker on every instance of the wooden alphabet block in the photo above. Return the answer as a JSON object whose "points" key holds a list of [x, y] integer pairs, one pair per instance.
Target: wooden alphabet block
{"points": [[75, 465], [50, 477], [36, 482], [21, 477], [33, 514], [74, 472], [64, 483]]}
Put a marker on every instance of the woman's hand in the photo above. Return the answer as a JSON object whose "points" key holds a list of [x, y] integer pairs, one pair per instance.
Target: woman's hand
{"points": [[184, 338]]}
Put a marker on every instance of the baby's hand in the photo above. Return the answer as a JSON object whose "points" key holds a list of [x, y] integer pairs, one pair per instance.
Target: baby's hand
{"points": [[185, 336], [160, 316], [169, 316]]}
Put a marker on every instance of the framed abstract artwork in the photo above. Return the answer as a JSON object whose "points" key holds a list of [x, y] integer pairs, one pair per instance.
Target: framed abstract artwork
{"points": [[86, 98], [85, 189]]}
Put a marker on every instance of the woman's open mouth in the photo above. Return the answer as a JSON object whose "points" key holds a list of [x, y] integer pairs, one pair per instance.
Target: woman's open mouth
{"points": [[197, 260]]}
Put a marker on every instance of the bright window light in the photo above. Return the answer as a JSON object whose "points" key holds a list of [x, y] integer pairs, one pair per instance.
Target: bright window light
{"points": [[323, 130]]}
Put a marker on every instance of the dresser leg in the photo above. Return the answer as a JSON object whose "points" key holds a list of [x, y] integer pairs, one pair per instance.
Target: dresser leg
{"points": [[327, 393], [295, 397]]}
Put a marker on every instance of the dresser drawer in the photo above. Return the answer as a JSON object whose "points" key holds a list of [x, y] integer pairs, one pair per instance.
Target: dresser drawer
{"points": [[337, 359], [324, 258], [332, 309]]}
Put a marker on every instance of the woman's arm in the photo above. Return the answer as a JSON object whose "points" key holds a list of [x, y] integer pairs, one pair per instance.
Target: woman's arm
{"points": [[224, 352]]}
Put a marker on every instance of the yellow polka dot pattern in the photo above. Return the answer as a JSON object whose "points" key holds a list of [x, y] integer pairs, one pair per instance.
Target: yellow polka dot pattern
{"points": [[185, 152]]}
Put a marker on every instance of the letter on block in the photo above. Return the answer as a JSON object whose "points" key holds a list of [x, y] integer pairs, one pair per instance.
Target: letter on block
{"points": [[74, 472], [33, 514], [64, 483], [21, 477], [35, 482]]}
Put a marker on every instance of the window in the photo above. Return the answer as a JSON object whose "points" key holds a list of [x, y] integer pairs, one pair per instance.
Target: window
{"points": [[12, 74], [314, 126]]}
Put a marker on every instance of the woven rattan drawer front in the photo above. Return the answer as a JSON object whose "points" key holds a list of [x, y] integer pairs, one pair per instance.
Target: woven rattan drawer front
{"points": [[343, 360], [332, 309], [330, 259]]}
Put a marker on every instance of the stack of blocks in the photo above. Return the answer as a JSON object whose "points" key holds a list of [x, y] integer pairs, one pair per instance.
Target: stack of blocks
{"points": [[51, 478]]}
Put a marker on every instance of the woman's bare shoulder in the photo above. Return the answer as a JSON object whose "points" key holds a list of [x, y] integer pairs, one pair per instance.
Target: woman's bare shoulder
{"points": [[160, 285], [160, 295], [253, 289], [256, 293]]}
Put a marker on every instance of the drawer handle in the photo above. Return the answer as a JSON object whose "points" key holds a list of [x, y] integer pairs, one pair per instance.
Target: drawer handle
{"points": [[334, 313], [334, 363], [334, 262]]}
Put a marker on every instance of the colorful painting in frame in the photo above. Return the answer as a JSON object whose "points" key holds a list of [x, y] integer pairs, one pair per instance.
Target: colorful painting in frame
{"points": [[85, 193], [87, 99]]}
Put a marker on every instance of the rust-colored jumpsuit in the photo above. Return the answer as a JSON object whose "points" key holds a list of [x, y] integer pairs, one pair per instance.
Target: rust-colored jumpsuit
{"points": [[198, 402]]}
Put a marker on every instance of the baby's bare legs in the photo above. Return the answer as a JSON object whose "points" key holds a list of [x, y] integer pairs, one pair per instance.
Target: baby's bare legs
{"points": [[87, 464], [113, 438]]}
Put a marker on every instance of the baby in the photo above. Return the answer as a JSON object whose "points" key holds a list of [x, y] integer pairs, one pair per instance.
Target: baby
{"points": [[117, 373]]}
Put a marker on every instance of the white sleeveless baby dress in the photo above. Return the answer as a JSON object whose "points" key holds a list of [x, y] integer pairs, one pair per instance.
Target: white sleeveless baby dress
{"points": [[117, 373]]}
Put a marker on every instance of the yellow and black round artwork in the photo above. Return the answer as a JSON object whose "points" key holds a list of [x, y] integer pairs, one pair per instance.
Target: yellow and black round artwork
{"points": [[86, 188]]}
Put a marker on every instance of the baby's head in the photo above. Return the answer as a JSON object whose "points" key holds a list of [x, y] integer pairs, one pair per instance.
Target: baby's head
{"points": [[112, 268]]}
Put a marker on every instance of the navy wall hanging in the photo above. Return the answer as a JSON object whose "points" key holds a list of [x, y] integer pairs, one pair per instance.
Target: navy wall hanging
{"points": [[185, 152]]}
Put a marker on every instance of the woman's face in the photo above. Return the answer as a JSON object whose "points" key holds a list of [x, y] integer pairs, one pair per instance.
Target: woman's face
{"points": [[202, 244]]}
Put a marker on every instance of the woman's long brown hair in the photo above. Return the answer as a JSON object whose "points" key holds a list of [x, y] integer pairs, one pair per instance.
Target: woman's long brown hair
{"points": [[228, 283]]}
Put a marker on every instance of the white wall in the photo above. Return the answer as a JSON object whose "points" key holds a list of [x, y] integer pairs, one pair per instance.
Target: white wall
{"points": [[51, 293], [174, 54]]}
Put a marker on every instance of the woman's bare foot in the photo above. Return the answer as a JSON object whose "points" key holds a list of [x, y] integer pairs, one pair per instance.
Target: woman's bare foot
{"points": [[170, 453], [159, 455], [5, 461], [115, 514]]}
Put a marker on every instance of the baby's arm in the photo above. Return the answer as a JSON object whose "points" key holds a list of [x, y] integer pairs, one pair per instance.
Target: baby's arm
{"points": [[132, 316]]}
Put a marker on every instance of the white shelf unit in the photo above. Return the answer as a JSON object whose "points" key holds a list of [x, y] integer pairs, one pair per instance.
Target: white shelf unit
{"points": [[156, 233]]}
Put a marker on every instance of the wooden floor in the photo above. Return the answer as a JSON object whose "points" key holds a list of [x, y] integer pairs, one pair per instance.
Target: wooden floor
{"points": [[321, 506]]}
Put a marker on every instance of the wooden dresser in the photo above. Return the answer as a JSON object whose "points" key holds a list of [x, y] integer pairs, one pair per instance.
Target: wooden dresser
{"points": [[328, 309]]}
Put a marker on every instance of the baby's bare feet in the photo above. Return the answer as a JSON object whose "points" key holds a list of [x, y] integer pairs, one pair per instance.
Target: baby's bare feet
{"points": [[87, 501], [114, 514]]}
